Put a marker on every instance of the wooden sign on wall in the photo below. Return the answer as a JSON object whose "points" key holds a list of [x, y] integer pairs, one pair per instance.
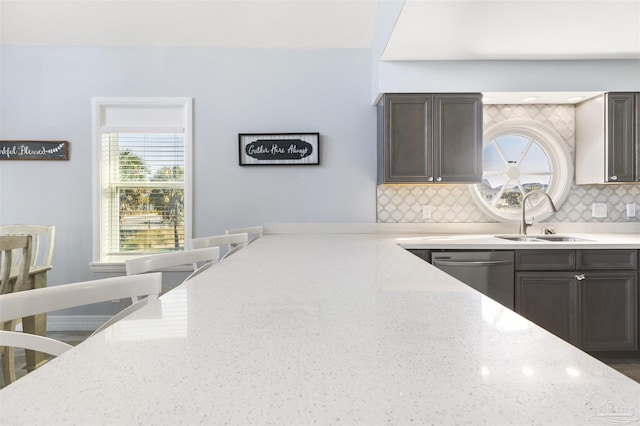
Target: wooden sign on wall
{"points": [[34, 150]]}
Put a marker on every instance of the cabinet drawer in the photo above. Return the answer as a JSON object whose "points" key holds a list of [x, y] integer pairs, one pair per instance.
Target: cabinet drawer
{"points": [[545, 260], [604, 260]]}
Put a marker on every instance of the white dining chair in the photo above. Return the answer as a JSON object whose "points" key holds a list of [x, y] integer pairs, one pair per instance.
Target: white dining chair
{"points": [[43, 240], [195, 259], [41, 300], [231, 243], [254, 232]]}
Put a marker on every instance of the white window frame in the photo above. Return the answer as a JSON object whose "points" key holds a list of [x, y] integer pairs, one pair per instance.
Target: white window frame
{"points": [[100, 106], [559, 155]]}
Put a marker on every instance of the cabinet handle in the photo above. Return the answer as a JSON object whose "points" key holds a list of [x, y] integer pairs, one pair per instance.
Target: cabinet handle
{"points": [[580, 277], [430, 179], [439, 179], [614, 178]]}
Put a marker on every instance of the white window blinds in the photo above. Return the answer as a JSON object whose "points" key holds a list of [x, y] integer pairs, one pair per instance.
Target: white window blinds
{"points": [[143, 192]]}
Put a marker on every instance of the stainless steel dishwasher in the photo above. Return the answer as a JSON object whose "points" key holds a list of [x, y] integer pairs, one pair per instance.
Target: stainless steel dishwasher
{"points": [[489, 272]]}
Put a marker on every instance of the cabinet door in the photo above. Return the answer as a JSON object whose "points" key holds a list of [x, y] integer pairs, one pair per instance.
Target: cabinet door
{"points": [[408, 138], [457, 138], [621, 153], [637, 135], [548, 299], [608, 311]]}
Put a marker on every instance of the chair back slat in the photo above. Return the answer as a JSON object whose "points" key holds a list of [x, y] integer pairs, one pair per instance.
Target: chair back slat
{"points": [[230, 241], [15, 256], [254, 232], [162, 261], [33, 342], [156, 262], [42, 243], [47, 299]]}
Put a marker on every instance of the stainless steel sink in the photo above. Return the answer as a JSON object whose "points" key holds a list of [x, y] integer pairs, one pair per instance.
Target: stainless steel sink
{"points": [[542, 238], [561, 238], [522, 238]]}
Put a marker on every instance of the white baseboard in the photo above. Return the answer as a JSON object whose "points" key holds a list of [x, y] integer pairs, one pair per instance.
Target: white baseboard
{"points": [[75, 322]]}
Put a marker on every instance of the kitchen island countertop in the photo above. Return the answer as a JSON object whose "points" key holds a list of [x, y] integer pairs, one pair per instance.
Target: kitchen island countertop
{"points": [[323, 329]]}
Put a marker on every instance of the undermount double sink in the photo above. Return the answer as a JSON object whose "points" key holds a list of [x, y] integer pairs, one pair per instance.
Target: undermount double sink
{"points": [[542, 238]]}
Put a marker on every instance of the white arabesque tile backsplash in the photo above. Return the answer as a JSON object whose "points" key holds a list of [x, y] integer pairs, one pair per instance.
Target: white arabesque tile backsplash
{"points": [[454, 204]]}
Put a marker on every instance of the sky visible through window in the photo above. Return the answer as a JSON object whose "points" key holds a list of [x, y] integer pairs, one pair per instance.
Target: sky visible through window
{"points": [[518, 151]]}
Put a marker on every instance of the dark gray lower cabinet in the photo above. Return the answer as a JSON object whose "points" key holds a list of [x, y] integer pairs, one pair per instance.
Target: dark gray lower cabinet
{"points": [[596, 310], [424, 254], [608, 314], [548, 299]]}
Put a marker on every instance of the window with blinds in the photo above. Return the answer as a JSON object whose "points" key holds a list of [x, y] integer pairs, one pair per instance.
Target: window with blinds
{"points": [[143, 192], [143, 182]]}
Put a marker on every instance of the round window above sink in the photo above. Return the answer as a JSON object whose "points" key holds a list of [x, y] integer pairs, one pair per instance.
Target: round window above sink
{"points": [[522, 156]]}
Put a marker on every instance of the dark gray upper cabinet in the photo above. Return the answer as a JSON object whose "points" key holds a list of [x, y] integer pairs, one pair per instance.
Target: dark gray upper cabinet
{"points": [[637, 135], [607, 132], [430, 138], [621, 137]]}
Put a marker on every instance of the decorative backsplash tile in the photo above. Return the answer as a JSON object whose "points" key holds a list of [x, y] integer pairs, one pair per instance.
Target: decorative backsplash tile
{"points": [[450, 203], [454, 204]]}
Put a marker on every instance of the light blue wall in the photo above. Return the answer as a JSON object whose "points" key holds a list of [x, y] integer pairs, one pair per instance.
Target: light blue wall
{"points": [[508, 76], [46, 94]]}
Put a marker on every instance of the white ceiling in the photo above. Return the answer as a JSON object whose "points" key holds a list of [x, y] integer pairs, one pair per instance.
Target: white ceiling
{"points": [[424, 29], [515, 30], [286, 24]]}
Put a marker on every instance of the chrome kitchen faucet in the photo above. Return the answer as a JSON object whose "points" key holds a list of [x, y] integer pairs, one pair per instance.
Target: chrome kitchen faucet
{"points": [[524, 225]]}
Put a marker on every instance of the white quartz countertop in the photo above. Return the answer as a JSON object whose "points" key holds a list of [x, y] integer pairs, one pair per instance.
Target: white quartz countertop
{"points": [[323, 329]]}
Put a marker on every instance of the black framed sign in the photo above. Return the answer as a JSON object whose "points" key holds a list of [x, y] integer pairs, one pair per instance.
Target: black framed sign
{"points": [[272, 149], [34, 150]]}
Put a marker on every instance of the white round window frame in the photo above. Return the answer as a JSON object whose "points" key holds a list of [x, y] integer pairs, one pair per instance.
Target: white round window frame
{"points": [[559, 156]]}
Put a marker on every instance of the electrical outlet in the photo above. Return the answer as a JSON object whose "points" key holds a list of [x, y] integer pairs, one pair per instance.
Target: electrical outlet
{"points": [[631, 210], [426, 211], [599, 210]]}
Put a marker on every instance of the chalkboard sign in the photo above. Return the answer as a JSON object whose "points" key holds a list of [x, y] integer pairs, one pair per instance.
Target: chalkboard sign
{"points": [[279, 149], [34, 150]]}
